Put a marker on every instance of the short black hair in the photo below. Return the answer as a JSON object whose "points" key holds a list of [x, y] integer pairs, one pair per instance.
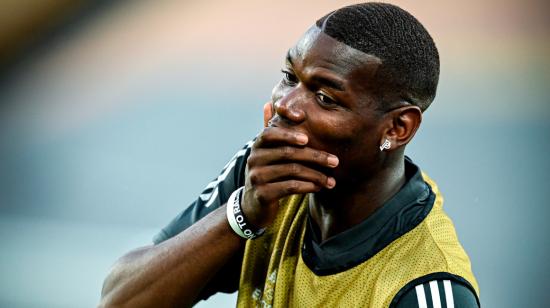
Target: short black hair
{"points": [[410, 61]]}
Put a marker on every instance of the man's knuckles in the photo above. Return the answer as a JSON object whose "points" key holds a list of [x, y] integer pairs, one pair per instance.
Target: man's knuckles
{"points": [[255, 177], [299, 187], [287, 152]]}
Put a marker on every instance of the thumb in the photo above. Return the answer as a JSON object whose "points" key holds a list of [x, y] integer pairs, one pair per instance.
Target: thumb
{"points": [[268, 113]]}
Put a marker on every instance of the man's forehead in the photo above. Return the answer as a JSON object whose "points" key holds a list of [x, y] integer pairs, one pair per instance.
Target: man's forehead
{"points": [[315, 45], [306, 41]]}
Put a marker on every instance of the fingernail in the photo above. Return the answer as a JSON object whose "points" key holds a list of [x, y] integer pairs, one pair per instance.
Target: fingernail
{"points": [[301, 138], [331, 182], [332, 161]]}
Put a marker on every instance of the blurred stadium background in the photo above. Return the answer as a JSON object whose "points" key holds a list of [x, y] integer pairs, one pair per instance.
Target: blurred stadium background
{"points": [[115, 114]]}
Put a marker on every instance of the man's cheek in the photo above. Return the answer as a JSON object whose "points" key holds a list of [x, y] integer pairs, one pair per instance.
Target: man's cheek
{"points": [[277, 93]]}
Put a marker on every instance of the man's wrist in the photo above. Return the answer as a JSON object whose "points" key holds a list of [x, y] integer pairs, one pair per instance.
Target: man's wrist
{"points": [[236, 218]]}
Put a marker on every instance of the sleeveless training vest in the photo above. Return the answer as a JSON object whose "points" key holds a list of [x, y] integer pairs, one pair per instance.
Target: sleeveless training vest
{"points": [[274, 274]]}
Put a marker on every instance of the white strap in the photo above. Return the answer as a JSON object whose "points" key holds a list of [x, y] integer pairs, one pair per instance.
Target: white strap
{"points": [[234, 204]]}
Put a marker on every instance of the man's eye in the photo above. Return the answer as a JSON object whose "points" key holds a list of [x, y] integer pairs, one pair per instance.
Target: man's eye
{"points": [[289, 78], [324, 99]]}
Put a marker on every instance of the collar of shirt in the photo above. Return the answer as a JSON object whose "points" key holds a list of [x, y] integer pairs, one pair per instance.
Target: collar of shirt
{"points": [[404, 211]]}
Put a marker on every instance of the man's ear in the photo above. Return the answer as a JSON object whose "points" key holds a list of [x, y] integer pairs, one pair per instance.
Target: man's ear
{"points": [[403, 123]]}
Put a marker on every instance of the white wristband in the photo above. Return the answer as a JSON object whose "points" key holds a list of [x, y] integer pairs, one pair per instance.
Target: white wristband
{"points": [[232, 203], [236, 218]]}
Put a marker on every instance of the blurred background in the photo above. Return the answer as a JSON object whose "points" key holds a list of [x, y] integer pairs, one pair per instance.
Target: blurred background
{"points": [[115, 114]]}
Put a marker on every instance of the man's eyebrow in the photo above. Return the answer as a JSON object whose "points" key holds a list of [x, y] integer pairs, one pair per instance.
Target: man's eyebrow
{"points": [[329, 82], [289, 58]]}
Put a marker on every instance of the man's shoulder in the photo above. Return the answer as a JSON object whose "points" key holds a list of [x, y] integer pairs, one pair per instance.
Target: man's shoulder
{"points": [[437, 290]]}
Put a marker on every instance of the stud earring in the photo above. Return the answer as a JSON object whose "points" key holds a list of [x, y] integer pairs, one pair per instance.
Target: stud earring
{"points": [[386, 145]]}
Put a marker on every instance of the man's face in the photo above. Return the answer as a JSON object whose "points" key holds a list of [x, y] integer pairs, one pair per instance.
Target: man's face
{"points": [[328, 93]]}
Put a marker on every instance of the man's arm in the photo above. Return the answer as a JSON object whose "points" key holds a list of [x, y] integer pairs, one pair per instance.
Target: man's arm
{"points": [[214, 196], [174, 272]]}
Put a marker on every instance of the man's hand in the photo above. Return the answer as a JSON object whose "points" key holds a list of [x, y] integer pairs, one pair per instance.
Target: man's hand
{"points": [[268, 113], [280, 164]]}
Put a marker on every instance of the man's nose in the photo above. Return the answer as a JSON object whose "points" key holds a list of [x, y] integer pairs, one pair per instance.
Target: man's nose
{"points": [[291, 106]]}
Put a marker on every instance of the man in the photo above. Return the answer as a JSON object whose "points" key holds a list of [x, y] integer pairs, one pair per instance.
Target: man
{"points": [[322, 209]]}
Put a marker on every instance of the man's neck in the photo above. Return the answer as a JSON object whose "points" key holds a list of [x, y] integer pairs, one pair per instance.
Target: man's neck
{"points": [[334, 211]]}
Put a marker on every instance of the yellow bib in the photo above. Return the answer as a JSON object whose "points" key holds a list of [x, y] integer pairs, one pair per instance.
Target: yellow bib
{"points": [[274, 275]]}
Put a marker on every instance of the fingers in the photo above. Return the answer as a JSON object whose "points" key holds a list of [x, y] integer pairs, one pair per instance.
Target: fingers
{"points": [[289, 160], [266, 156], [274, 136], [280, 164], [277, 173]]}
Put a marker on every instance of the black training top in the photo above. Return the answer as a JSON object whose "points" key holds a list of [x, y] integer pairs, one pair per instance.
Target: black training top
{"points": [[343, 251]]}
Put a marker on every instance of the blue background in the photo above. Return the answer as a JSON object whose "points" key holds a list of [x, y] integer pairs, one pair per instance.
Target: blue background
{"points": [[111, 126]]}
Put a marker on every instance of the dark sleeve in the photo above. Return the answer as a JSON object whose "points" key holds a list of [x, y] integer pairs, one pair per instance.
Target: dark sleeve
{"points": [[214, 195], [437, 293]]}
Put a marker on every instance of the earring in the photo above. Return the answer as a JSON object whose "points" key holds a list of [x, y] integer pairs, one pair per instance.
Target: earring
{"points": [[386, 145]]}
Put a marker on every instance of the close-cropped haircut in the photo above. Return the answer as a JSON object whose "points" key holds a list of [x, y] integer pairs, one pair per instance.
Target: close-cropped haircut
{"points": [[410, 61]]}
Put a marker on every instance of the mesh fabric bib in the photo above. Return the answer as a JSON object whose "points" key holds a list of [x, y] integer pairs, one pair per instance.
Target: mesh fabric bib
{"points": [[274, 275]]}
